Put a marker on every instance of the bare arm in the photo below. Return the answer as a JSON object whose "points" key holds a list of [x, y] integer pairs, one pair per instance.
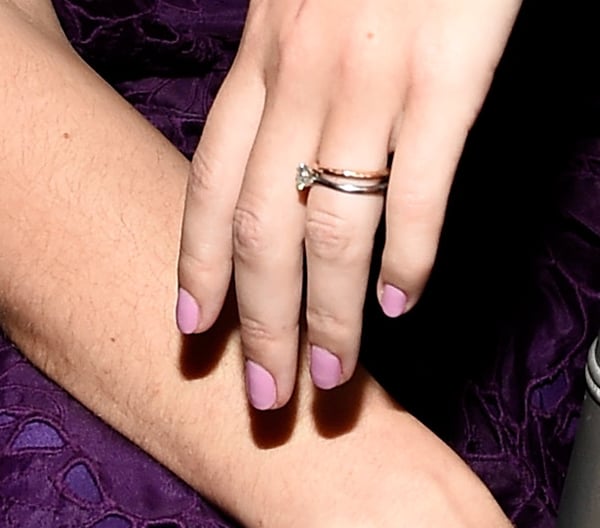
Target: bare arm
{"points": [[93, 197]]}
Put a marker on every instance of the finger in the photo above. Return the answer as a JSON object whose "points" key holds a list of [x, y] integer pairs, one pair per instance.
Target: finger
{"points": [[218, 166], [268, 253], [429, 143], [340, 229]]}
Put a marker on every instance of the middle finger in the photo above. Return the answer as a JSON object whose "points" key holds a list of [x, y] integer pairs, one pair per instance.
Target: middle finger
{"points": [[268, 252]]}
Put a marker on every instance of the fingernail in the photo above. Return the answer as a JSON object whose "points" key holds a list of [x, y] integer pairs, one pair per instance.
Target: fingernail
{"points": [[187, 311], [325, 368], [260, 386], [393, 301]]}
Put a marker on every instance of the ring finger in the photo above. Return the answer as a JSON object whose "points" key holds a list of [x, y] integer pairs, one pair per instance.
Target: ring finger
{"points": [[340, 228]]}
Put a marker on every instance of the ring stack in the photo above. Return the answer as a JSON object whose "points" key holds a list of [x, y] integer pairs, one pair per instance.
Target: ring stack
{"points": [[344, 180]]}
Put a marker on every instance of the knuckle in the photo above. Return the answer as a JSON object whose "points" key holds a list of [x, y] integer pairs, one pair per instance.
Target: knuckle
{"points": [[440, 70], [428, 68], [250, 232], [204, 168], [291, 49], [198, 263], [327, 322], [256, 334], [328, 236], [295, 59], [297, 41], [357, 62], [360, 58], [433, 57]]}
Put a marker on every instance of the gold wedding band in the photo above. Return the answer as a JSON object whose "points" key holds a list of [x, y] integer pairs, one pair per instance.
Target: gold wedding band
{"points": [[356, 175]]}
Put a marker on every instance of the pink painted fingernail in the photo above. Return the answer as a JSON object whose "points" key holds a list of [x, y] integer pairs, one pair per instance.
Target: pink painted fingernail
{"points": [[393, 301], [325, 368], [260, 386], [187, 311]]}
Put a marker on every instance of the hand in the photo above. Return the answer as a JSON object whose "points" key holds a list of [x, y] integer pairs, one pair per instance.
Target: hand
{"points": [[343, 83], [111, 344]]}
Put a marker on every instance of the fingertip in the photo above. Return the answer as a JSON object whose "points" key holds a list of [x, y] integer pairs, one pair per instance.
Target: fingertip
{"points": [[203, 287], [187, 312], [393, 301], [261, 388], [325, 368]]}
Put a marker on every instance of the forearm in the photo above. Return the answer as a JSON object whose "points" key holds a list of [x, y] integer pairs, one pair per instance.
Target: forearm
{"points": [[93, 197]]}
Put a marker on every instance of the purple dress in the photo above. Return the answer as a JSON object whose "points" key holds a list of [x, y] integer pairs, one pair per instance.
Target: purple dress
{"points": [[492, 357]]}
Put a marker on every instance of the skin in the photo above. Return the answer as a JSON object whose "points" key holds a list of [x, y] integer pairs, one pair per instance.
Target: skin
{"points": [[92, 201], [342, 83]]}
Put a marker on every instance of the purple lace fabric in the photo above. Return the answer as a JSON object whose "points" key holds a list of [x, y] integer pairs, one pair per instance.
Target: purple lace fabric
{"points": [[61, 467], [513, 310], [519, 419]]}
